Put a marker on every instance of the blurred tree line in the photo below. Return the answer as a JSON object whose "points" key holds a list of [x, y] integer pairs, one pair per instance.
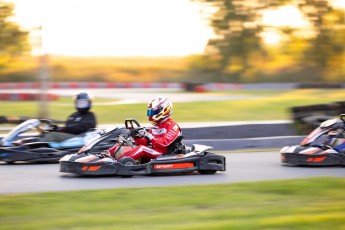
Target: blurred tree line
{"points": [[13, 40], [239, 52]]}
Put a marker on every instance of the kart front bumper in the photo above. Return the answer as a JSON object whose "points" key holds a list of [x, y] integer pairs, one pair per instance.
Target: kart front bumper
{"points": [[313, 160]]}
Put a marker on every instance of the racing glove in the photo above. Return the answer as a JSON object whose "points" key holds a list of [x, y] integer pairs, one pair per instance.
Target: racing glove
{"points": [[149, 136], [53, 127], [140, 132], [144, 133]]}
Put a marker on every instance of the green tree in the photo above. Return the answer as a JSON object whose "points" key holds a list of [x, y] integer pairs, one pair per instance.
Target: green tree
{"points": [[13, 40], [235, 27], [241, 55], [238, 45], [327, 48]]}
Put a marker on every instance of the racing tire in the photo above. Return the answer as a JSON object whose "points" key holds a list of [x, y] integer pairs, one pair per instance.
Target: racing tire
{"points": [[207, 172], [128, 161]]}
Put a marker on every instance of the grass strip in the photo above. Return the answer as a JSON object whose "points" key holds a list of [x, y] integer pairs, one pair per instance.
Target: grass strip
{"points": [[314, 203], [267, 105]]}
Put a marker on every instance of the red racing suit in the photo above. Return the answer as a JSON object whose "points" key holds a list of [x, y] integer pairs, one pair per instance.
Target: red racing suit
{"points": [[163, 134]]}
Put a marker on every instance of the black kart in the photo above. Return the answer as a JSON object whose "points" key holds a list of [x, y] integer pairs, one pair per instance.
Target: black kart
{"points": [[179, 158], [316, 149], [23, 143]]}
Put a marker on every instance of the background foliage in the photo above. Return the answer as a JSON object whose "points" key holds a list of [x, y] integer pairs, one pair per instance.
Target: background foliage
{"points": [[13, 41], [238, 53]]}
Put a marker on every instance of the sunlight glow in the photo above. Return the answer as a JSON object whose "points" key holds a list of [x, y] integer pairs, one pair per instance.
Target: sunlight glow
{"points": [[135, 27], [271, 37], [338, 3], [116, 27], [284, 16]]}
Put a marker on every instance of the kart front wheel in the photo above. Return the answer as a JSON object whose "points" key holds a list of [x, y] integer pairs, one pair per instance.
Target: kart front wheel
{"points": [[127, 161], [207, 172]]}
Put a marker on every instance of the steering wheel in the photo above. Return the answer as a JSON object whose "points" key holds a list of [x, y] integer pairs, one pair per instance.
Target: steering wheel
{"points": [[46, 125], [133, 126]]}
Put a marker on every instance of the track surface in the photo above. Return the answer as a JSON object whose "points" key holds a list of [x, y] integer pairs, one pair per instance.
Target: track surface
{"points": [[241, 166]]}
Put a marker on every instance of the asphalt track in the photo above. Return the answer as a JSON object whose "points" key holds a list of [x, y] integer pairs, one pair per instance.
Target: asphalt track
{"points": [[241, 167]]}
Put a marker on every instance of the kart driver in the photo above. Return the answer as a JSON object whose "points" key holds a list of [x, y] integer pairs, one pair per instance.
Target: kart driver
{"points": [[155, 141], [77, 123], [336, 139]]}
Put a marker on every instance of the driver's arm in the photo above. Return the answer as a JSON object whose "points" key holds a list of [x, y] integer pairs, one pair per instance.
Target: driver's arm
{"points": [[141, 141], [163, 141], [87, 122]]}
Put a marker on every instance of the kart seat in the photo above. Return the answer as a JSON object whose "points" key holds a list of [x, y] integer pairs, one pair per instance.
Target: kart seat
{"points": [[176, 147]]}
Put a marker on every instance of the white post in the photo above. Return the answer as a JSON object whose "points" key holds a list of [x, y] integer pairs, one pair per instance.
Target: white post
{"points": [[43, 79]]}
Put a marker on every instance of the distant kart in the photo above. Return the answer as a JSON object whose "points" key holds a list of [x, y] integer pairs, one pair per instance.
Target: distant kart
{"points": [[178, 159], [16, 146], [311, 152]]}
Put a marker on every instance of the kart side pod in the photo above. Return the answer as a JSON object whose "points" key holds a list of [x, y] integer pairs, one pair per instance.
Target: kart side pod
{"points": [[202, 162]]}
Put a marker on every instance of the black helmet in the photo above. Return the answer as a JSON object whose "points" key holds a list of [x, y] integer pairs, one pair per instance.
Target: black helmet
{"points": [[83, 102]]}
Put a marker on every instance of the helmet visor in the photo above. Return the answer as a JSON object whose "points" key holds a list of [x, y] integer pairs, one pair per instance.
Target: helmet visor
{"points": [[152, 112], [82, 103]]}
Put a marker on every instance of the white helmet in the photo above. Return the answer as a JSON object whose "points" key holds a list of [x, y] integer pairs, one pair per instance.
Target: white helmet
{"points": [[159, 109]]}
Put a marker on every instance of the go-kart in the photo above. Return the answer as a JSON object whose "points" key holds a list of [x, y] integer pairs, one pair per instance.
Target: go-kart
{"points": [[178, 159], [324, 146], [23, 143]]}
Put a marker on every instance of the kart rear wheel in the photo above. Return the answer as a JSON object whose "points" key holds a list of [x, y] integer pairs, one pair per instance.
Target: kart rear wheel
{"points": [[207, 172]]}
